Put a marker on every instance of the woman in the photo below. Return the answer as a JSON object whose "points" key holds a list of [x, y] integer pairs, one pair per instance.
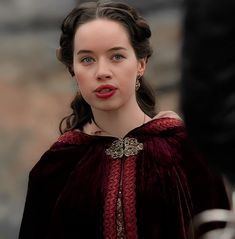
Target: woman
{"points": [[119, 170]]}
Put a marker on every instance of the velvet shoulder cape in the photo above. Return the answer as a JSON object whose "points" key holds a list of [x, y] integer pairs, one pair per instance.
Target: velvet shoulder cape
{"points": [[73, 189]]}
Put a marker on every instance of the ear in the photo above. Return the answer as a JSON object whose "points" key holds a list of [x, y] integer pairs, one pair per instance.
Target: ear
{"points": [[141, 65], [69, 67], [58, 53]]}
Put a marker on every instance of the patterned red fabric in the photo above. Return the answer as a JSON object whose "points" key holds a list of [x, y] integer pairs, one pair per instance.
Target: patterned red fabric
{"points": [[110, 228], [72, 190], [128, 198], [156, 126], [129, 180]]}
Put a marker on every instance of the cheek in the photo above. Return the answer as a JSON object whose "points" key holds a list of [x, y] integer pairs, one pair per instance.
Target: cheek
{"points": [[80, 81], [80, 76], [84, 84], [128, 86]]}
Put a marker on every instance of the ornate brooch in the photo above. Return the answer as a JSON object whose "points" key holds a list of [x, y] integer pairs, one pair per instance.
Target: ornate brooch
{"points": [[126, 146]]}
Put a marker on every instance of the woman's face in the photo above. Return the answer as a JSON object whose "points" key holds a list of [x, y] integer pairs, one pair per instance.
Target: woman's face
{"points": [[105, 65]]}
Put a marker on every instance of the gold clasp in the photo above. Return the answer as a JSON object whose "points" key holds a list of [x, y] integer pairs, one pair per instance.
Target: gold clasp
{"points": [[127, 146]]}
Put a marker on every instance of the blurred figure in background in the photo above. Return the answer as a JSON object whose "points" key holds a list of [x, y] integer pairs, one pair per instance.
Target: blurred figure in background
{"points": [[208, 88]]}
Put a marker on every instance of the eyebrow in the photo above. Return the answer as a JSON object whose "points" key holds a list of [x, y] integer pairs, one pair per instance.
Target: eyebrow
{"points": [[111, 49]]}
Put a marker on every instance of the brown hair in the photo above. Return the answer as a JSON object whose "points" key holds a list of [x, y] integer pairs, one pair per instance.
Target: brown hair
{"points": [[139, 33]]}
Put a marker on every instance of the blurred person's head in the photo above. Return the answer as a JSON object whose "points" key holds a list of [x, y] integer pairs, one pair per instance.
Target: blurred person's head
{"points": [[208, 76], [208, 95]]}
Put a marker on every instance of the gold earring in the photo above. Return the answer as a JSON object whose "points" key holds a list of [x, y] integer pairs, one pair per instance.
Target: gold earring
{"points": [[138, 76], [137, 84]]}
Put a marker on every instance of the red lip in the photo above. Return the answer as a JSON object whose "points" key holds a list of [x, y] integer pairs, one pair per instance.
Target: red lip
{"points": [[105, 91]]}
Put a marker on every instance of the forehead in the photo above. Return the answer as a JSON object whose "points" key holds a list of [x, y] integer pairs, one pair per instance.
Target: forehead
{"points": [[101, 33]]}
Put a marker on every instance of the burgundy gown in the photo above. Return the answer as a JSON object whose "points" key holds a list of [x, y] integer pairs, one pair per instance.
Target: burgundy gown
{"points": [[148, 185]]}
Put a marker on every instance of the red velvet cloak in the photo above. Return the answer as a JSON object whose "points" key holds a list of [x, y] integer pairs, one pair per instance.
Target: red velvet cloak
{"points": [[72, 190]]}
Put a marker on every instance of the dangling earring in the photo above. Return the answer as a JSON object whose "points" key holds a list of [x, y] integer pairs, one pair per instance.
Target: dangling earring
{"points": [[137, 84], [77, 85]]}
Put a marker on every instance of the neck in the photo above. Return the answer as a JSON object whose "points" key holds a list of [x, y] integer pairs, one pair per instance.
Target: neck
{"points": [[116, 123]]}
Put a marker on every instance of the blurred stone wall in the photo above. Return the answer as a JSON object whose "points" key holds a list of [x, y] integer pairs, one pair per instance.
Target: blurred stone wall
{"points": [[36, 90]]}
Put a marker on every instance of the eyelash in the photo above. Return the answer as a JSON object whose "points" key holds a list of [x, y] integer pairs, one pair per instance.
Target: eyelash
{"points": [[119, 56], [90, 59], [83, 60]]}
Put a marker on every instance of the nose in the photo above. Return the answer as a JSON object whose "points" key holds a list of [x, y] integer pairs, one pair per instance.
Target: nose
{"points": [[103, 71]]}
